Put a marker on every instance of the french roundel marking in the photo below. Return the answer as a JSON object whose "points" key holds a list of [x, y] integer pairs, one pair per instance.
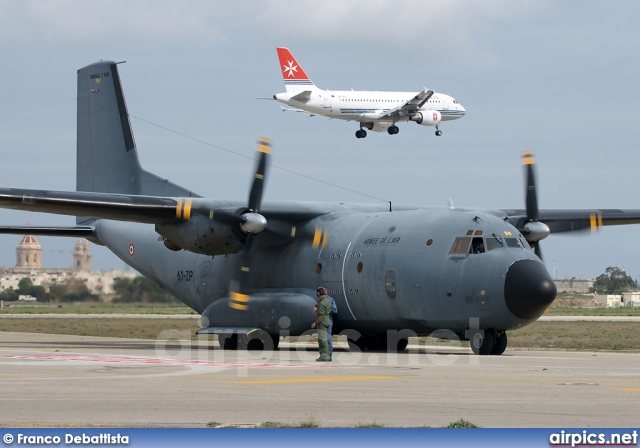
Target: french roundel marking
{"points": [[131, 249]]}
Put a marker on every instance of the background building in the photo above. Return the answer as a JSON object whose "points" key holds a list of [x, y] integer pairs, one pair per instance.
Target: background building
{"points": [[29, 264]]}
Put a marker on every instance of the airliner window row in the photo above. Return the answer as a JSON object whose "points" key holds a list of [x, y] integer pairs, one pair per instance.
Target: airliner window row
{"points": [[390, 101]]}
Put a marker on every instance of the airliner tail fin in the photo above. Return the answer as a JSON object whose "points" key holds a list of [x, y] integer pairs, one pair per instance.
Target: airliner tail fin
{"points": [[295, 78]]}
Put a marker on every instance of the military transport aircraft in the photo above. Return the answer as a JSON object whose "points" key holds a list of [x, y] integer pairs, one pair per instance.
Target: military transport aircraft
{"points": [[251, 269], [376, 111]]}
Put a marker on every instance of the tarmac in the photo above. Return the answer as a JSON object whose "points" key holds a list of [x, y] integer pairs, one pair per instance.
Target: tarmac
{"points": [[58, 380]]}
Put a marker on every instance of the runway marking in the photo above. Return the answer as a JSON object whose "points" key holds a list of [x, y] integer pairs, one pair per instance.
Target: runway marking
{"points": [[636, 389], [314, 380], [157, 361]]}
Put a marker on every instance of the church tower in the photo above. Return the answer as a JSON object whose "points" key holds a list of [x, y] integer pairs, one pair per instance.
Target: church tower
{"points": [[82, 256], [29, 253]]}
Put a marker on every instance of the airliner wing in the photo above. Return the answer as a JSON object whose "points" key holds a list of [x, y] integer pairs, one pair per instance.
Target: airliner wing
{"points": [[409, 107]]}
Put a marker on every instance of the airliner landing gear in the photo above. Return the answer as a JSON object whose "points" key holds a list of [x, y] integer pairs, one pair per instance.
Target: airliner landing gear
{"points": [[438, 131], [393, 130], [361, 133]]}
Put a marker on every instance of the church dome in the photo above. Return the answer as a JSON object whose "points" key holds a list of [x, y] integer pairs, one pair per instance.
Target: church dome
{"points": [[28, 253], [29, 242]]}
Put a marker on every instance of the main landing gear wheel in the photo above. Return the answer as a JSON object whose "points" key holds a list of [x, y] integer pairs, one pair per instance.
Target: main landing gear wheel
{"points": [[483, 345], [261, 340], [438, 132], [393, 130], [500, 344], [228, 341], [361, 133]]}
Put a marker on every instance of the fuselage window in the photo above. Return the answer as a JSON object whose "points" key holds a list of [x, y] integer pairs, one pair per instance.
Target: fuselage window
{"points": [[460, 245]]}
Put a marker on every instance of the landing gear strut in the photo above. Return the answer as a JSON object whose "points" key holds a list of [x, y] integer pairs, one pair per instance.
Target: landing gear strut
{"points": [[438, 131], [361, 133]]}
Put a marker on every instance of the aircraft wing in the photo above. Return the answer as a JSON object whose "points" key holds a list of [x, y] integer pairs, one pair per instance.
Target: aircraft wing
{"points": [[568, 220], [74, 232], [408, 108], [136, 208], [146, 209]]}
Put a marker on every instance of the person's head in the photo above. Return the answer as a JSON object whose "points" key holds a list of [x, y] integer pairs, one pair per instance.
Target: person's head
{"points": [[321, 292]]}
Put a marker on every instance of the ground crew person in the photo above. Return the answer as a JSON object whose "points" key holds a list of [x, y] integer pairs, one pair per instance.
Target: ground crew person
{"points": [[322, 323]]}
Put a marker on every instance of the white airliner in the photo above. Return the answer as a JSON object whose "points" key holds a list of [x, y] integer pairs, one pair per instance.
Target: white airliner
{"points": [[375, 111]]}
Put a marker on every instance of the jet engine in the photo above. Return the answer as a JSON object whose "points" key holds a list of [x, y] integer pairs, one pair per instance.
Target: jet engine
{"points": [[427, 118]]}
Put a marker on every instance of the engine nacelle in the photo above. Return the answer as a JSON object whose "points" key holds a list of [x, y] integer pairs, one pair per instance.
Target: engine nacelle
{"points": [[202, 236], [427, 118]]}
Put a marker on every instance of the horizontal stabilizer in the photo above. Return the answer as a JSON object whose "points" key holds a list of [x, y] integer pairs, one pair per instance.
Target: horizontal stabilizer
{"points": [[302, 96]]}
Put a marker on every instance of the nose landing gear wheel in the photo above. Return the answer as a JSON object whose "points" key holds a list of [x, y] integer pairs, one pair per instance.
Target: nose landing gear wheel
{"points": [[483, 345], [438, 132], [500, 344]]}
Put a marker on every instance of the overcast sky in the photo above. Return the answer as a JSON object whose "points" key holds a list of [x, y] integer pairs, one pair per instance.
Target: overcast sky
{"points": [[557, 77]]}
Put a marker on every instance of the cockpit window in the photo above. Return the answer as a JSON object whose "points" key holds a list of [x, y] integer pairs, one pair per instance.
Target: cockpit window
{"points": [[512, 242], [460, 245], [477, 246], [493, 243]]}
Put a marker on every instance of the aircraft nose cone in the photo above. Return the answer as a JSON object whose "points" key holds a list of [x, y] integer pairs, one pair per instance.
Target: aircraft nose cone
{"points": [[528, 289]]}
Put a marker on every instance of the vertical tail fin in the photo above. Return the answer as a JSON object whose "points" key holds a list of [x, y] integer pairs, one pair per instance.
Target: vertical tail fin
{"points": [[107, 159], [295, 79]]}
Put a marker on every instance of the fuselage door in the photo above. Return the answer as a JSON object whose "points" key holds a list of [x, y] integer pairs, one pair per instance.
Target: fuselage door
{"points": [[327, 101]]}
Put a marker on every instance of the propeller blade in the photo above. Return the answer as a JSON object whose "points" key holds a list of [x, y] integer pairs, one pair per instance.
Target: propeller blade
{"points": [[251, 223], [255, 195], [528, 160], [538, 251], [238, 299]]}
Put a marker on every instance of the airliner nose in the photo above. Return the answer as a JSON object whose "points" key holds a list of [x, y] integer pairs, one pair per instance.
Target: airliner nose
{"points": [[528, 289]]}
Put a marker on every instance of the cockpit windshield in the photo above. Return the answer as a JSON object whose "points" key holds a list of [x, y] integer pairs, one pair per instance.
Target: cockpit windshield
{"points": [[493, 242], [479, 244]]}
